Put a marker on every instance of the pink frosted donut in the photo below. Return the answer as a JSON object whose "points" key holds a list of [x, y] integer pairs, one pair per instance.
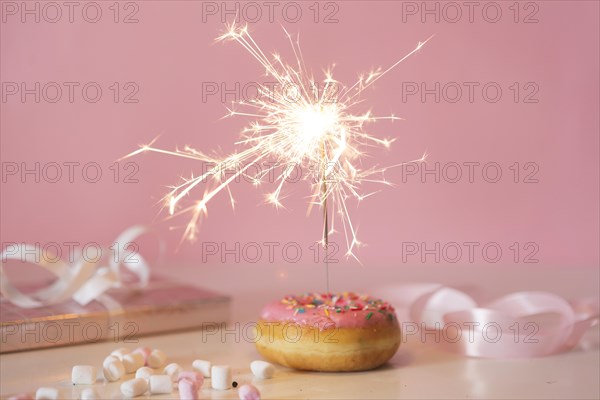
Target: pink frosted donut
{"points": [[328, 332]]}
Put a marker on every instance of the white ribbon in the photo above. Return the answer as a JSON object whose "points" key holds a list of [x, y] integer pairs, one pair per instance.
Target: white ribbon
{"points": [[534, 323], [83, 281]]}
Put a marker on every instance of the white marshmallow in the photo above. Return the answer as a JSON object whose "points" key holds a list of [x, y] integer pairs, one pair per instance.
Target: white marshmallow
{"points": [[248, 392], [113, 369], [83, 375], [88, 394], [120, 353], [132, 362], [109, 359], [134, 387], [156, 359], [203, 367], [262, 369], [173, 371], [144, 372], [46, 393], [160, 384], [220, 377]]}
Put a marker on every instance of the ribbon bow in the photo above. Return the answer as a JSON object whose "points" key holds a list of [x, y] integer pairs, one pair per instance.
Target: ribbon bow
{"points": [[82, 280]]}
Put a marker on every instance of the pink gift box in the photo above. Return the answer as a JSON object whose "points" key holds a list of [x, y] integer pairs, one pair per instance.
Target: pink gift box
{"points": [[162, 306]]}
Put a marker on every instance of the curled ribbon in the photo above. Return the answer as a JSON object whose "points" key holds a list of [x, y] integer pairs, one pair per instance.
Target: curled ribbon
{"points": [[521, 324], [82, 280]]}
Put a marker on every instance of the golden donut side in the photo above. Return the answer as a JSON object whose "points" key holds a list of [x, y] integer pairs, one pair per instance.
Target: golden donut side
{"points": [[328, 348]]}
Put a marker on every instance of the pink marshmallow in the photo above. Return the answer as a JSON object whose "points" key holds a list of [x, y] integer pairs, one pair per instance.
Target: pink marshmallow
{"points": [[248, 392], [145, 351], [192, 375], [188, 389]]}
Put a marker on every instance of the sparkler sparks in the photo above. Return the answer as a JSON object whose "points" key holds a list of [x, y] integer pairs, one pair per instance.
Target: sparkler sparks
{"points": [[301, 123]]}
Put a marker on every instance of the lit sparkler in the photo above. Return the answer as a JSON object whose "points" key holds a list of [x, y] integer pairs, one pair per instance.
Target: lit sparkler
{"points": [[298, 124]]}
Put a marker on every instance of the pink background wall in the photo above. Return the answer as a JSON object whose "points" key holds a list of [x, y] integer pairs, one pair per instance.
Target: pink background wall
{"points": [[169, 53]]}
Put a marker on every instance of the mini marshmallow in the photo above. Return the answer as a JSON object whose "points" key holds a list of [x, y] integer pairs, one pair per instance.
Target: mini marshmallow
{"points": [[88, 394], [144, 351], [113, 369], [134, 387], [110, 359], [192, 375], [173, 371], [188, 389], [248, 392], [203, 367], [160, 384], [46, 393], [83, 375], [132, 362], [220, 377], [144, 372], [156, 359], [120, 352], [262, 369]]}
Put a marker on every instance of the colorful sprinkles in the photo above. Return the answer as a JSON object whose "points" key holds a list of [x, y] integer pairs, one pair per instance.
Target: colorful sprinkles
{"points": [[339, 303]]}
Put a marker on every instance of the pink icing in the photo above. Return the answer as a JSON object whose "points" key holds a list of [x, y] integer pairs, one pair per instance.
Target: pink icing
{"points": [[347, 310]]}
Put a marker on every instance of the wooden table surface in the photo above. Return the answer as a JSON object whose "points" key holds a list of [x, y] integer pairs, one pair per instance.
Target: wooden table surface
{"points": [[416, 371]]}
